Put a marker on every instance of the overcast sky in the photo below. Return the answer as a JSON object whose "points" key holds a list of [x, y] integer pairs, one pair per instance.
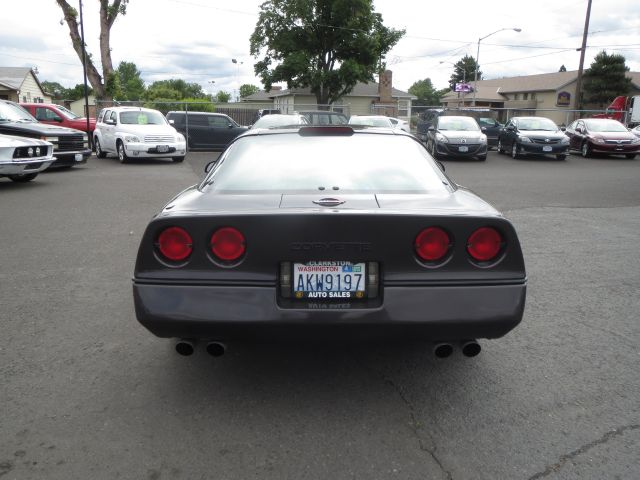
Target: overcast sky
{"points": [[196, 40]]}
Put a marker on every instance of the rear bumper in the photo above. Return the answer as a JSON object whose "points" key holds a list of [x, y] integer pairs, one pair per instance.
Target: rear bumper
{"points": [[253, 313]]}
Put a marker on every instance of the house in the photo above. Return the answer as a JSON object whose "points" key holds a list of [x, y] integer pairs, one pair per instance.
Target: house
{"points": [[365, 99], [551, 95], [20, 84], [78, 107]]}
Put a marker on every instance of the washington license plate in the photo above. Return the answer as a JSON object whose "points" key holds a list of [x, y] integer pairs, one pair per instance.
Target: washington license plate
{"points": [[163, 148], [547, 149], [463, 149], [329, 280]]}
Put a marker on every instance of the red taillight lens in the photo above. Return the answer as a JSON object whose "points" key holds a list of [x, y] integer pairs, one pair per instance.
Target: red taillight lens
{"points": [[175, 244], [484, 244], [432, 244], [228, 244]]}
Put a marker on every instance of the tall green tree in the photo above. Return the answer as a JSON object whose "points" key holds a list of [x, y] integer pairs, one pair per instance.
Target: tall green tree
{"points": [[57, 91], [109, 11], [131, 83], [606, 79], [464, 70], [426, 93], [326, 45], [248, 89]]}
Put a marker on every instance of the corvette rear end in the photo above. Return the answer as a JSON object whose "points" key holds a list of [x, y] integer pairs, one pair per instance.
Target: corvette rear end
{"points": [[329, 237]]}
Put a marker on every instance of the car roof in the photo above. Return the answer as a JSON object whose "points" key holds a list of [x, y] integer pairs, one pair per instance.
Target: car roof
{"points": [[180, 112]]}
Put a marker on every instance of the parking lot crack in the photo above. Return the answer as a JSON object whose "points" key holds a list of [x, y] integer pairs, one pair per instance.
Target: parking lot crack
{"points": [[582, 450]]}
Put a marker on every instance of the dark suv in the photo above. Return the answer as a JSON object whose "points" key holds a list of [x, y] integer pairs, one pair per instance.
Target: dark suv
{"points": [[204, 130], [70, 146]]}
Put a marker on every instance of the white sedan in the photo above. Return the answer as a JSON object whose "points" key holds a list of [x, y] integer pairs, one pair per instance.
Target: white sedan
{"points": [[21, 158], [401, 124], [371, 121]]}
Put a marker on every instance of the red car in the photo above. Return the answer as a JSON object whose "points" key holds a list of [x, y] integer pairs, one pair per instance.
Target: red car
{"points": [[59, 115], [602, 135]]}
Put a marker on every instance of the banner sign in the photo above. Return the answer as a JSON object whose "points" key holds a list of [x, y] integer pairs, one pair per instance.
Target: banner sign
{"points": [[463, 87]]}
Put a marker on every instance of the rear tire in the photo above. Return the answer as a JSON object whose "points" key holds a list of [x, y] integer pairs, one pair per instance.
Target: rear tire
{"points": [[514, 151], [177, 159], [585, 150], [630, 156], [500, 148], [99, 152], [561, 157], [24, 178], [122, 154]]}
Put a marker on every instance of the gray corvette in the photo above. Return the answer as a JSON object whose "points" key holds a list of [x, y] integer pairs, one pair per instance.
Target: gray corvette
{"points": [[328, 232]]}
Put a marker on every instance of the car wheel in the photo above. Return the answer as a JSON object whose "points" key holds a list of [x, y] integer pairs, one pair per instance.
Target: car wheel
{"points": [[585, 150], [122, 154], [630, 156], [561, 156], [99, 152], [26, 177], [514, 151], [178, 159], [500, 148]]}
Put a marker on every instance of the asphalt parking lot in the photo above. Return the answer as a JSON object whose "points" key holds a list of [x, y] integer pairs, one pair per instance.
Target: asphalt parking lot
{"points": [[89, 393]]}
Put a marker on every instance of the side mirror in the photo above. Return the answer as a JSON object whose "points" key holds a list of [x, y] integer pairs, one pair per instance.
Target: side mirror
{"points": [[230, 125], [483, 128], [579, 130], [564, 129], [209, 166]]}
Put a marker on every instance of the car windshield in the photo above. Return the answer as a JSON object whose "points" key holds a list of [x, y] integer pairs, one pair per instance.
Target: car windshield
{"points": [[142, 117], [10, 112], [604, 126], [276, 120], [361, 163], [464, 124], [67, 113], [370, 121], [543, 124]]}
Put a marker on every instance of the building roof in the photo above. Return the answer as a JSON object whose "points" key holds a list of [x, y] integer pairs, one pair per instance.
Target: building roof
{"points": [[12, 77], [494, 89], [361, 89]]}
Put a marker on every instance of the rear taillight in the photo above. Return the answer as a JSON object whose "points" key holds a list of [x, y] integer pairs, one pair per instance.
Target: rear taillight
{"points": [[432, 244], [484, 244], [228, 244], [175, 244]]}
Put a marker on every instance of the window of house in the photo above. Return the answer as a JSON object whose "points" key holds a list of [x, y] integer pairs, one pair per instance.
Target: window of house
{"points": [[403, 108], [525, 96], [515, 97], [533, 95]]}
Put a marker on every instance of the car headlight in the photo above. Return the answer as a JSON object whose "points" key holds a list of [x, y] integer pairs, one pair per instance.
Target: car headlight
{"points": [[483, 139], [598, 140], [441, 138], [131, 139], [180, 138], [564, 140], [525, 140]]}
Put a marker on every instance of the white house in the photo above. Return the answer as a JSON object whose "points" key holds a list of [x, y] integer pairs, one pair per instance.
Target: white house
{"points": [[20, 84]]}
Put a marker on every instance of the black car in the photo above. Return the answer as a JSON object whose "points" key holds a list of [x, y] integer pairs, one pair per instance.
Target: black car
{"points": [[70, 147], [459, 137], [328, 232], [533, 136], [325, 117], [204, 130]]}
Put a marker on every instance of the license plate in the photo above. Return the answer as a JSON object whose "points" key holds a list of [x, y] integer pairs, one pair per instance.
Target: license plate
{"points": [[325, 280], [547, 149], [78, 157], [163, 148], [463, 149]]}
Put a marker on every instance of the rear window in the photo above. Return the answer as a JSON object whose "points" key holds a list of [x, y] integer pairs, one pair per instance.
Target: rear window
{"points": [[361, 163]]}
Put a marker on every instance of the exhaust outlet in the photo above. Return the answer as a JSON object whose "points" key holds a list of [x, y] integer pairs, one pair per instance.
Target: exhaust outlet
{"points": [[216, 349], [442, 350], [185, 347], [470, 348]]}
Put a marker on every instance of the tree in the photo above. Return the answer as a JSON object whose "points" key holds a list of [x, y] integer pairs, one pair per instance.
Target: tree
{"points": [[247, 89], [426, 93], [326, 45], [77, 92], [606, 79], [174, 89], [131, 83], [464, 70], [56, 90], [108, 14], [223, 97]]}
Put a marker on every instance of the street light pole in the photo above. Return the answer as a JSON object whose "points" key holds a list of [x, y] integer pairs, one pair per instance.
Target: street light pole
{"points": [[84, 71], [475, 77]]}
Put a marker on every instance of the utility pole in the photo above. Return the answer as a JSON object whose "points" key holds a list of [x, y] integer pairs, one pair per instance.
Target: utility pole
{"points": [[84, 71], [578, 102]]}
